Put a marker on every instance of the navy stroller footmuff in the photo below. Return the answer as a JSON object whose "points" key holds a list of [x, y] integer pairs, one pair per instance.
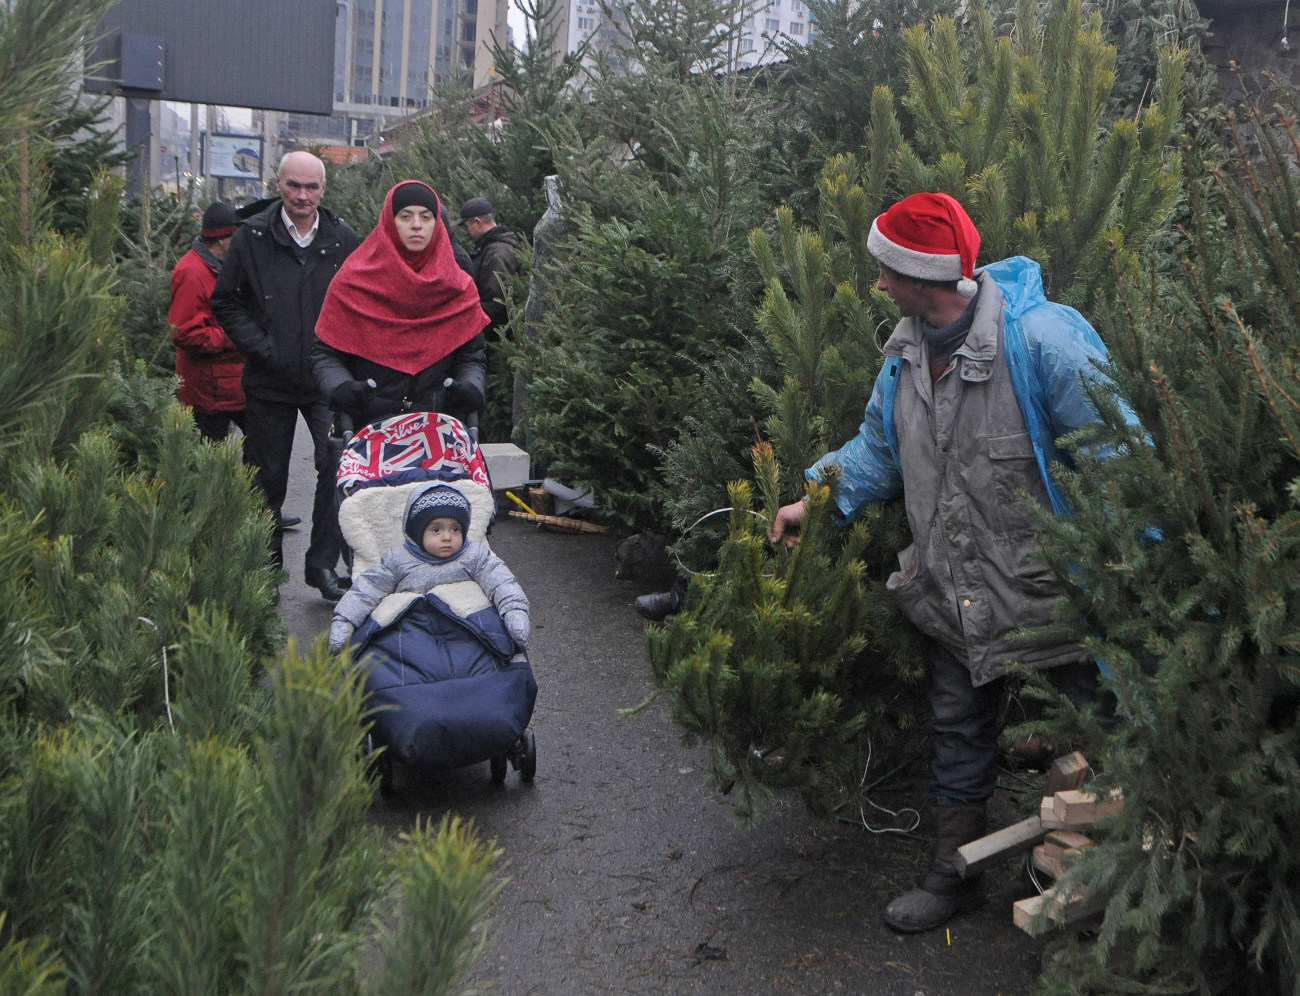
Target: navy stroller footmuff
{"points": [[443, 688]]}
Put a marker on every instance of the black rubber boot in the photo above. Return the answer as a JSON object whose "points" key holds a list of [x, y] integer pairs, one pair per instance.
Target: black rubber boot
{"points": [[942, 893]]}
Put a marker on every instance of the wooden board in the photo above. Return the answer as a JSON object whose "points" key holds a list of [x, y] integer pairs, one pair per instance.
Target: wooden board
{"points": [[1068, 772], [1078, 809], [1005, 843], [1056, 910], [1057, 850], [561, 523], [1066, 840], [1047, 861], [1075, 809], [1047, 814]]}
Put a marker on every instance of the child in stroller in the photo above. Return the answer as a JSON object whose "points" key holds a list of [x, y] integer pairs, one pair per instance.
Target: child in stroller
{"points": [[435, 552], [438, 622]]}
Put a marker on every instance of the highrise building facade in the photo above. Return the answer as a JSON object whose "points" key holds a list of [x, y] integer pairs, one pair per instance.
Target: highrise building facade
{"points": [[391, 56], [759, 24]]}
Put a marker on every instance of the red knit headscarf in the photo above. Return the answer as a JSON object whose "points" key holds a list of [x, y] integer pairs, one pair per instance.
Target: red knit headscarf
{"points": [[404, 310]]}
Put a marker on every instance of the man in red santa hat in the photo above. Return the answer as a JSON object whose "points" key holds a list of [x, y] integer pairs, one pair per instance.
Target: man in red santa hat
{"points": [[981, 376]]}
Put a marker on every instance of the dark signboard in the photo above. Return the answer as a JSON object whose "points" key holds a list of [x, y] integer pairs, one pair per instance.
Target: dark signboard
{"points": [[273, 54]]}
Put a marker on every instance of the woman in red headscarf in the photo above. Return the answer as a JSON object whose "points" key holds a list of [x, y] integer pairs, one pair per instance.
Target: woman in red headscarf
{"points": [[401, 328]]}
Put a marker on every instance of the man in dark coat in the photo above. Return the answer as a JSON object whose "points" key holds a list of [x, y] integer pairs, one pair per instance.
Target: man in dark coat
{"points": [[495, 257], [267, 298]]}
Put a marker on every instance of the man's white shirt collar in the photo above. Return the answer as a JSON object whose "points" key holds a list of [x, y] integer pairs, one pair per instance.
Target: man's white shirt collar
{"points": [[303, 240]]}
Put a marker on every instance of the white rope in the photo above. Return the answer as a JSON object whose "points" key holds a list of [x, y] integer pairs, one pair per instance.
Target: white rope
{"points": [[685, 532], [167, 697], [1033, 873], [862, 816]]}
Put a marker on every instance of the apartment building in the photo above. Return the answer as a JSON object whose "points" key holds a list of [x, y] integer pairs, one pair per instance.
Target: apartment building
{"points": [[390, 56], [759, 25]]}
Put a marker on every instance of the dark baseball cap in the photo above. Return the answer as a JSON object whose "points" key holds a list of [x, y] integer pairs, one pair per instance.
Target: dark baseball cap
{"points": [[219, 220], [475, 207]]}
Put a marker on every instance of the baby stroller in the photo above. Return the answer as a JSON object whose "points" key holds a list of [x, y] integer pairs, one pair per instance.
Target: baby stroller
{"points": [[441, 676]]}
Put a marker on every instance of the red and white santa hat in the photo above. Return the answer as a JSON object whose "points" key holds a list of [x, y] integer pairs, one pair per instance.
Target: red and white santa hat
{"points": [[928, 236]]}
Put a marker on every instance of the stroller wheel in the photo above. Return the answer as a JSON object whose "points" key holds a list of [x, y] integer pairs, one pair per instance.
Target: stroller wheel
{"points": [[528, 763], [498, 765]]}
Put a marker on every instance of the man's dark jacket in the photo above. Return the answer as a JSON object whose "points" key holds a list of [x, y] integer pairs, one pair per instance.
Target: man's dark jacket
{"points": [[269, 294], [496, 259]]}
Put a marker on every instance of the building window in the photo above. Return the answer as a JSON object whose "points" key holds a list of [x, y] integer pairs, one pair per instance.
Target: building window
{"points": [[796, 28], [746, 45], [772, 25], [586, 23]]}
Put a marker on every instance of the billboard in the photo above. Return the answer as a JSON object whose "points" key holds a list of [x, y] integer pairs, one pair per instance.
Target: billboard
{"points": [[235, 156], [272, 54]]}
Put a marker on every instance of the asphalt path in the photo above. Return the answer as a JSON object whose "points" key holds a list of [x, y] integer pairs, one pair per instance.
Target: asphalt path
{"points": [[626, 872]]}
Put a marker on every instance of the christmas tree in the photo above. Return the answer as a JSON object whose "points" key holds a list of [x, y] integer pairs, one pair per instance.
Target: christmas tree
{"points": [[1183, 560], [988, 115], [788, 663], [185, 803]]}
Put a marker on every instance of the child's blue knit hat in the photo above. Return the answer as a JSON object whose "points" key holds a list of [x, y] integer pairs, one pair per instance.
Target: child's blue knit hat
{"points": [[439, 502]]}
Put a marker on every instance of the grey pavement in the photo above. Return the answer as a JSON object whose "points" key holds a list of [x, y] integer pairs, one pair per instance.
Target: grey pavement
{"points": [[626, 871]]}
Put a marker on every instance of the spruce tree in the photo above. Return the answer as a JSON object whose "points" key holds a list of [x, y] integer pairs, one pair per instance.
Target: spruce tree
{"points": [[651, 283], [85, 149], [1182, 559], [767, 616], [856, 47]]}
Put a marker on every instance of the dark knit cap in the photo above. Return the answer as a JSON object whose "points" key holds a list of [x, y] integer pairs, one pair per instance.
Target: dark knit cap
{"points": [[414, 192], [439, 502], [475, 207], [219, 220]]}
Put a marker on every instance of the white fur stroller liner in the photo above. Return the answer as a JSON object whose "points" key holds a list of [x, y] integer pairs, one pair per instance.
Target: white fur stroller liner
{"points": [[371, 521]]}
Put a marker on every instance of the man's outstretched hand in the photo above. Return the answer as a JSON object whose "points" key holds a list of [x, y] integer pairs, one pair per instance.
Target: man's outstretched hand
{"points": [[785, 525]]}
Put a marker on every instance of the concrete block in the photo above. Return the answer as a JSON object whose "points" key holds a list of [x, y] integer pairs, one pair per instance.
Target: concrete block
{"points": [[507, 464]]}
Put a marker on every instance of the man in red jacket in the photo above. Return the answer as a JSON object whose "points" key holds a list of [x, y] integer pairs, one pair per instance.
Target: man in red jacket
{"points": [[207, 362]]}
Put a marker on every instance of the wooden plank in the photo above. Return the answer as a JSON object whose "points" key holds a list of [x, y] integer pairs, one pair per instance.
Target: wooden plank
{"points": [[1068, 840], [1005, 843], [1068, 772], [1047, 861], [1047, 814], [1057, 850], [1056, 911], [561, 523], [1023, 912], [1075, 809]]}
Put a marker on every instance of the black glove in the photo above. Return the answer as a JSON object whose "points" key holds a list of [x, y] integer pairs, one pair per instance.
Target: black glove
{"points": [[350, 396], [461, 398]]}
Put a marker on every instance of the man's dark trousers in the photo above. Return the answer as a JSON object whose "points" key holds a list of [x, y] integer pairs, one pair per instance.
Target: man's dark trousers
{"points": [[270, 426], [964, 770]]}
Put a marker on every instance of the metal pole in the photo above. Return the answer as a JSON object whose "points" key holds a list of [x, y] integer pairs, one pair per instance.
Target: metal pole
{"points": [[196, 160], [139, 143]]}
